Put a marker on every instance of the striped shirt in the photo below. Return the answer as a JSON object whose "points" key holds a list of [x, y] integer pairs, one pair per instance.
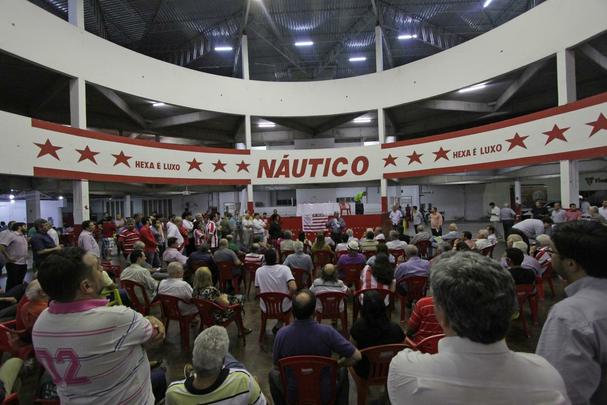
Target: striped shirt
{"points": [[423, 321], [127, 239], [94, 353], [233, 387], [368, 281]]}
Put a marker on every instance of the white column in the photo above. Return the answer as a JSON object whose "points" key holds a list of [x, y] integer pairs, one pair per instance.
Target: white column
{"points": [[565, 69], [127, 206], [244, 50], [32, 206], [75, 12], [379, 50], [80, 193]]}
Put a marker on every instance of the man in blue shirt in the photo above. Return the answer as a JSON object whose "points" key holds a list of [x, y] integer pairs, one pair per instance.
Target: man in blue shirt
{"points": [[42, 243], [306, 337], [414, 266]]}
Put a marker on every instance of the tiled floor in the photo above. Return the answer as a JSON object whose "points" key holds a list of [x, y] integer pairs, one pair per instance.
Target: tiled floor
{"points": [[258, 359]]}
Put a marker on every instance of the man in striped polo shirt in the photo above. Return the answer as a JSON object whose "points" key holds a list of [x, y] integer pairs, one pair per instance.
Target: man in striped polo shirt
{"points": [[94, 353], [216, 378], [127, 237]]}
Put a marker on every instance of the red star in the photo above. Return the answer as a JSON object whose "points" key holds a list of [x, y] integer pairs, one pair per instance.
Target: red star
{"points": [[414, 157], [194, 164], [556, 133], [517, 140], [47, 148], [219, 166], [441, 154], [390, 160], [600, 123], [87, 154], [243, 166], [122, 158]]}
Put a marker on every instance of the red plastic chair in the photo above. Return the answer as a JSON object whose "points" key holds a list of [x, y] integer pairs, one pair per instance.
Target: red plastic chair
{"points": [[379, 358], [322, 257], [273, 302], [423, 247], [382, 292], [339, 254], [344, 208], [426, 345], [226, 275], [351, 275], [170, 310], [207, 309], [12, 399], [397, 253], [527, 293], [308, 373], [250, 270], [548, 275], [331, 302], [302, 277], [416, 287], [10, 342], [142, 307]]}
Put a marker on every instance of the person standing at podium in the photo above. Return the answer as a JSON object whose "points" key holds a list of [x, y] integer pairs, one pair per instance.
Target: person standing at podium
{"points": [[359, 208]]}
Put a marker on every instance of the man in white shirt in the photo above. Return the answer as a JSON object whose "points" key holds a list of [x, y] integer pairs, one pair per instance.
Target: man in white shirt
{"points": [[494, 217], [259, 227], [396, 217], [13, 246], [507, 215], [603, 209], [530, 228], [482, 240], [173, 230], [138, 273], [176, 287], [558, 214], [94, 353], [474, 302], [394, 243], [273, 277], [86, 239], [172, 254], [574, 335]]}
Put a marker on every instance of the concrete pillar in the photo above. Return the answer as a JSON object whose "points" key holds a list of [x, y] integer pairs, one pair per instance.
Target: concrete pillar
{"points": [[244, 49], [381, 117], [517, 192], [565, 68], [75, 12], [379, 50], [80, 193], [249, 143], [32, 206], [127, 206]]}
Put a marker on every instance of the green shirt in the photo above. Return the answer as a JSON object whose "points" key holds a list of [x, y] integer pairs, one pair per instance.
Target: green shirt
{"points": [[359, 196]]}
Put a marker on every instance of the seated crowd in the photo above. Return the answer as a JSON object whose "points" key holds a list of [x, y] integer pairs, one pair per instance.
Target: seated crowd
{"points": [[451, 348]]}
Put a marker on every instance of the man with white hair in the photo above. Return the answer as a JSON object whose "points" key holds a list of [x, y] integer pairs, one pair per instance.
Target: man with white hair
{"points": [[394, 243], [173, 230], [287, 243], [482, 240], [528, 261], [299, 259], [421, 235], [474, 303], [176, 287], [543, 249], [214, 377]]}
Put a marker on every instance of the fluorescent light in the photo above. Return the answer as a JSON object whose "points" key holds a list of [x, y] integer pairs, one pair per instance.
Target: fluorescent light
{"points": [[61, 197], [370, 143], [362, 120], [390, 139], [259, 147], [473, 88], [407, 36], [304, 43], [158, 104], [265, 124], [358, 59], [12, 201], [487, 2], [223, 48], [11, 196]]}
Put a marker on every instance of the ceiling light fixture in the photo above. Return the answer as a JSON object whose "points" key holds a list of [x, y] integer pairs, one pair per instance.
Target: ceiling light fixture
{"points": [[11, 196], [223, 48], [265, 124], [407, 36], [473, 88], [304, 43], [486, 4], [61, 197], [158, 104], [362, 120], [358, 59]]}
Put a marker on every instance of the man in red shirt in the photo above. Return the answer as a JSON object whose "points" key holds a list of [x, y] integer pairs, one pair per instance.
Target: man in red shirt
{"points": [[423, 322], [151, 246], [127, 238], [573, 214]]}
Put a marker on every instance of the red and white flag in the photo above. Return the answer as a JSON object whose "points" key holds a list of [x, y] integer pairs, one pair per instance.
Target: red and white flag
{"points": [[314, 222]]}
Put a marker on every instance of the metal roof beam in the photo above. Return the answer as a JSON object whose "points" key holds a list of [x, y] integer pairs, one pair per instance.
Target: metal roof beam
{"points": [[380, 21], [516, 85], [95, 8], [243, 27], [594, 55], [183, 119], [282, 52], [49, 94], [122, 105], [456, 105]]}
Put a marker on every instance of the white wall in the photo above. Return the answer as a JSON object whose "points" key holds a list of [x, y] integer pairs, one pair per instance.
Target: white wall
{"points": [[13, 211]]}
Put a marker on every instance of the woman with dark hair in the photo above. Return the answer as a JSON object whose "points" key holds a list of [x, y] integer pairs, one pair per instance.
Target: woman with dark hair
{"points": [[378, 275], [320, 244], [373, 328]]}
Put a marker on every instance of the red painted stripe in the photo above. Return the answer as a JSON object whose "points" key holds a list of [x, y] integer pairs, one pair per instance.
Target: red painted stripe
{"points": [[576, 105], [85, 133], [117, 178], [575, 155]]}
